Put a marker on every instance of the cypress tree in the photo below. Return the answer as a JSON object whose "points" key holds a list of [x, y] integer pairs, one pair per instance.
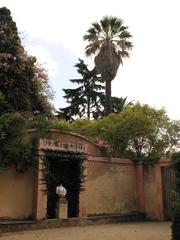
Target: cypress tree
{"points": [[23, 83]]}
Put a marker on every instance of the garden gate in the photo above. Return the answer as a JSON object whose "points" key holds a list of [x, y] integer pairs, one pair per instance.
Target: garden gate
{"points": [[168, 188]]}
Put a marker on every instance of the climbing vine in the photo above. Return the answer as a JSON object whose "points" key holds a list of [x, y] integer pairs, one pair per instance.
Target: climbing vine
{"points": [[18, 142], [17, 146]]}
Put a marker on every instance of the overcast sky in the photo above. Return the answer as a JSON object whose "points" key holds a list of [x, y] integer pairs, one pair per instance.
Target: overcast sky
{"points": [[53, 31]]}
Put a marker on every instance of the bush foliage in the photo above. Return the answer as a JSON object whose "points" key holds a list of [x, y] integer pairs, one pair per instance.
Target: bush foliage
{"points": [[138, 132], [18, 144]]}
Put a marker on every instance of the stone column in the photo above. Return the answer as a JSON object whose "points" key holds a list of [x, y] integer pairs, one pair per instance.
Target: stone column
{"points": [[40, 195], [140, 187], [159, 198], [83, 195], [62, 208]]}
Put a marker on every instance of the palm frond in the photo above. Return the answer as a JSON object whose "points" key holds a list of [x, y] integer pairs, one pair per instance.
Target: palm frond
{"points": [[92, 31], [90, 37], [105, 25], [129, 45], [124, 54], [91, 48], [123, 28], [123, 44], [78, 81], [115, 24], [97, 27], [125, 34]]}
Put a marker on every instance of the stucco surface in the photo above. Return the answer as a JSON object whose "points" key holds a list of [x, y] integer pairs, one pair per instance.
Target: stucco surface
{"points": [[16, 194], [111, 188], [150, 191]]}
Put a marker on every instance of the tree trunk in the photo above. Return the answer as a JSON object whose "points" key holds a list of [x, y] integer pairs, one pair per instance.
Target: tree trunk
{"points": [[88, 107], [108, 102]]}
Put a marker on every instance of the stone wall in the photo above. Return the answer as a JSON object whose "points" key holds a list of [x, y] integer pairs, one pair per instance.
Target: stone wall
{"points": [[16, 195]]}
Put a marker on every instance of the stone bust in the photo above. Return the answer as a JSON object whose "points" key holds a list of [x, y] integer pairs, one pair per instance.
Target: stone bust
{"points": [[61, 191]]}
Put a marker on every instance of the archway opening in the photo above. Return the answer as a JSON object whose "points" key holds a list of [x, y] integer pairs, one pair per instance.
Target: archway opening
{"points": [[63, 168]]}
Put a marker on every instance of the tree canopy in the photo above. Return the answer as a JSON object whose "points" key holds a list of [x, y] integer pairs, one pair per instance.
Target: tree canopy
{"points": [[137, 132], [23, 83]]}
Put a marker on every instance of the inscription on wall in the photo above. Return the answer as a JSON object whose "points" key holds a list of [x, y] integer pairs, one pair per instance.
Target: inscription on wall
{"points": [[51, 144]]}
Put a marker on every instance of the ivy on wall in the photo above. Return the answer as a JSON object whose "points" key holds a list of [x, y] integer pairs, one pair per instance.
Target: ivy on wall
{"points": [[17, 144], [16, 147]]}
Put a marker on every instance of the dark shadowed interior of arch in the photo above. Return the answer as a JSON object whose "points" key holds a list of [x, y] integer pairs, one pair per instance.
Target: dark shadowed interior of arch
{"points": [[63, 168]]}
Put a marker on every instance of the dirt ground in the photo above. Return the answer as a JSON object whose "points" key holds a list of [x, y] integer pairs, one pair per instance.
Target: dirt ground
{"points": [[120, 231]]}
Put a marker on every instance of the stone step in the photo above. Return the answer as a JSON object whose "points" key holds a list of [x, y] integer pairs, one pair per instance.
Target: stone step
{"points": [[15, 226]]}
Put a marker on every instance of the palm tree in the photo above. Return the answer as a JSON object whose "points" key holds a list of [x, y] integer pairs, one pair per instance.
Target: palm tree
{"points": [[108, 40]]}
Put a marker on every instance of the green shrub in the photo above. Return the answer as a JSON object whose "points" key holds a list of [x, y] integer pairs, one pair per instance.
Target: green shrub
{"points": [[17, 149]]}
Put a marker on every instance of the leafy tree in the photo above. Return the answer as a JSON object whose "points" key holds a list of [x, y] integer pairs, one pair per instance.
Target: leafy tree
{"points": [[23, 83], [4, 106], [141, 131], [84, 100], [85, 127], [137, 132], [109, 41]]}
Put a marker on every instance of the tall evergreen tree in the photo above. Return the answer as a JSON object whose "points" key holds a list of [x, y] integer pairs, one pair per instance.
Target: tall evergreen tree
{"points": [[23, 84], [109, 40], [84, 100]]}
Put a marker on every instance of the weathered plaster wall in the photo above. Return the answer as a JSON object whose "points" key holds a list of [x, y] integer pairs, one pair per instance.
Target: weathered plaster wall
{"points": [[153, 189], [150, 191], [16, 195], [111, 186]]}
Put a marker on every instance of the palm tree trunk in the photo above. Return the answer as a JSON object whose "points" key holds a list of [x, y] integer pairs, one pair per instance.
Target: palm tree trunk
{"points": [[88, 107], [108, 102]]}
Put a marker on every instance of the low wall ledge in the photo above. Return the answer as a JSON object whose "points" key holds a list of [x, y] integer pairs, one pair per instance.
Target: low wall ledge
{"points": [[110, 160]]}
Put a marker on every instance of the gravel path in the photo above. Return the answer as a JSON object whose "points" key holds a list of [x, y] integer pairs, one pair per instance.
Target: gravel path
{"points": [[121, 231]]}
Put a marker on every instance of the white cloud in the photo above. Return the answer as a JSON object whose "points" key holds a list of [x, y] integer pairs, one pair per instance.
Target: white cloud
{"points": [[45, 58]]}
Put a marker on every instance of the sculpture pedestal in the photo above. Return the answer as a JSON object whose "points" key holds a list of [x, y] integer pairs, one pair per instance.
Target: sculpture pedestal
{"points": [[62, 208]]}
